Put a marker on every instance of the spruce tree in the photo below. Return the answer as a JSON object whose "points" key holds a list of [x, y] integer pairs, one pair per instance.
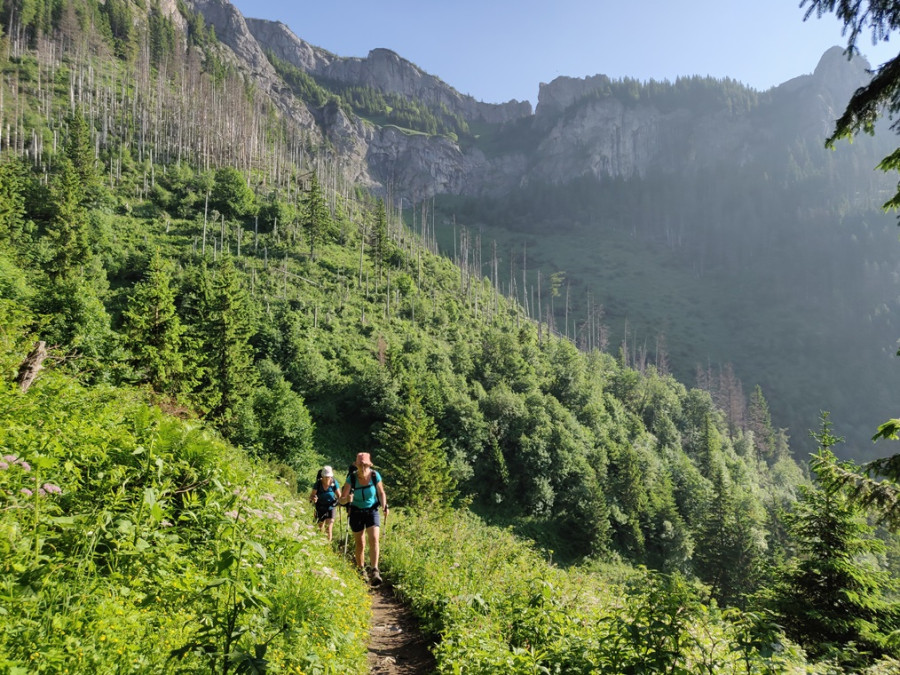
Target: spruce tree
{"points": [[223, 323], [13, 225], [710, 448], [760, 422], [316, 220], [729, 543], [380, 243], [230, 195], [629, 501], [414, 461], [67, 231], [79, 150], [830, 597], [154, 333], [275, 420]]}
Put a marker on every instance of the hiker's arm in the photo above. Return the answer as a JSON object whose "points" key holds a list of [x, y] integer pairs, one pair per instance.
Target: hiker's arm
{"points": [[382, 498], [312, 496], [345, 494]]}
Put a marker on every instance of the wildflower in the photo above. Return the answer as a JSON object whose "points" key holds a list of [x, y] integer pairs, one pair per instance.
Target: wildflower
{"points": [[269, 497], [232, 514], [3, 466], [26, 492], [25, 465], [165, 523], [10, 458], [52, 489]]}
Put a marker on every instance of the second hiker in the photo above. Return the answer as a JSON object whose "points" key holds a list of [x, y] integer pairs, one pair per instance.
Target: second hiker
{"points": [[364, 491], [325, 495]]}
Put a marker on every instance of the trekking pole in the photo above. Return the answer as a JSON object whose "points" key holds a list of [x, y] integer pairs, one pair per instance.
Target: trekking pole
{"points": [[346, 533]]}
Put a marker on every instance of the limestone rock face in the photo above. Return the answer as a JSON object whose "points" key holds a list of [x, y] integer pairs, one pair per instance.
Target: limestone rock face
{"points": [[169, 9], [583, 132], [386, 71], [382, 70], [816, 100], [277, 37], [564, 91], [578, 129], [603, 138], [414, 164], [232, 30]]}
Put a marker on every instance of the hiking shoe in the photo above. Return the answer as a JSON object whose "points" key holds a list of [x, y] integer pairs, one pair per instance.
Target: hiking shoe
{"points": [[375, 577]]}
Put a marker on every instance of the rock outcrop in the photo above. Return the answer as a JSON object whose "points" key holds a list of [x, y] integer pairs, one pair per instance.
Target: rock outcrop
{"points": [[576, 130], [382, 70]]}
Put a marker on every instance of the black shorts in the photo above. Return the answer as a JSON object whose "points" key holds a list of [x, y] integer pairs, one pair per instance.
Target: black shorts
{"points": [[324, 514], [360, 519]]}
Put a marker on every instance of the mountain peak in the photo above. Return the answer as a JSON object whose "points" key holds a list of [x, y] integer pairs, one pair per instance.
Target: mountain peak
{"points": [[834, 62]]}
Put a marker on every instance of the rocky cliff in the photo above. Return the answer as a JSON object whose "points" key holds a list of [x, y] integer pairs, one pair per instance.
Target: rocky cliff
{"points": [[583, 133], [382, 70], [575, 130]]}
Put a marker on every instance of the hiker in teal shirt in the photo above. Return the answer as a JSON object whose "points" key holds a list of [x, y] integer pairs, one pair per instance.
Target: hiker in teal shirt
{"points": [[324, 496], [364, 491]]}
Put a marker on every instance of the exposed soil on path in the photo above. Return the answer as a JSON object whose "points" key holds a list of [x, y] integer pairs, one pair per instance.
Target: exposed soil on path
{"points": [[396, 645]]}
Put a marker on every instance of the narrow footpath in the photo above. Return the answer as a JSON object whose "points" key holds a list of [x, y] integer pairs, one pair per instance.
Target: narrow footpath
{"points": [[396, 645]]}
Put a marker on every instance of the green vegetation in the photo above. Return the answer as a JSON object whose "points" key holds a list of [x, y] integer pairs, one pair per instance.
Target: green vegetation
{"points": [[499, 607], [696, 94], [135, 541]]}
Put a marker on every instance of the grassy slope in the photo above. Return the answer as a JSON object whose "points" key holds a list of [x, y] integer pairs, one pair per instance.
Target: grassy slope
{"points": [[162, 541]]}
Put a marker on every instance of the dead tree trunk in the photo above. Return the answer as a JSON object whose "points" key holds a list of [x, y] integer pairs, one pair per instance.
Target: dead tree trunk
{"points": [[32, 365]]}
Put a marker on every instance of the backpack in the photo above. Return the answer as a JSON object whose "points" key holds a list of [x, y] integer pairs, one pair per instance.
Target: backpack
{"points": [[352, 473]]}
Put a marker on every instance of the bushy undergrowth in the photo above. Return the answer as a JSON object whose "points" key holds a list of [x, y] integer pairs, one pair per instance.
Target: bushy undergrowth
{"points": [[131, 541], [499, 607]]}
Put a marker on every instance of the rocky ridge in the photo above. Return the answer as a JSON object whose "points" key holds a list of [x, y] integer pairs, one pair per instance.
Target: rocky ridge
{"points": [[382, 70], [571, 133]]}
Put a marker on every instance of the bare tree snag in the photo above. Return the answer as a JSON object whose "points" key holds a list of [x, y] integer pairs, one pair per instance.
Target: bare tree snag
{"points": [[32, 365]]}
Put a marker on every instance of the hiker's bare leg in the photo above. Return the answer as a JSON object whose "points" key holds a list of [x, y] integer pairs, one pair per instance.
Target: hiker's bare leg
{"points": [[329, 527], [374, 549], [359, 542]]}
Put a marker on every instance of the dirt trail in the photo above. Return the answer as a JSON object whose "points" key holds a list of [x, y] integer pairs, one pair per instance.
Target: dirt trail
{"points": [[396, 645]]}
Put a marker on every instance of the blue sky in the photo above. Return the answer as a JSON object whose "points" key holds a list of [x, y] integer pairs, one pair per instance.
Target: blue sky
{"points": [[497, 50]]}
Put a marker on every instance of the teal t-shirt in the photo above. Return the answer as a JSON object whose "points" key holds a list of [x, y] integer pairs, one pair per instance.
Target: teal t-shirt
{"points": [[326, 497], [365, 496]]}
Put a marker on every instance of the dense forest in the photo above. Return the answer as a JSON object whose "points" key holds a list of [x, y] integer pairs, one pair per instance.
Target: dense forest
{"points": [[783, 267], [222, 313]]}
